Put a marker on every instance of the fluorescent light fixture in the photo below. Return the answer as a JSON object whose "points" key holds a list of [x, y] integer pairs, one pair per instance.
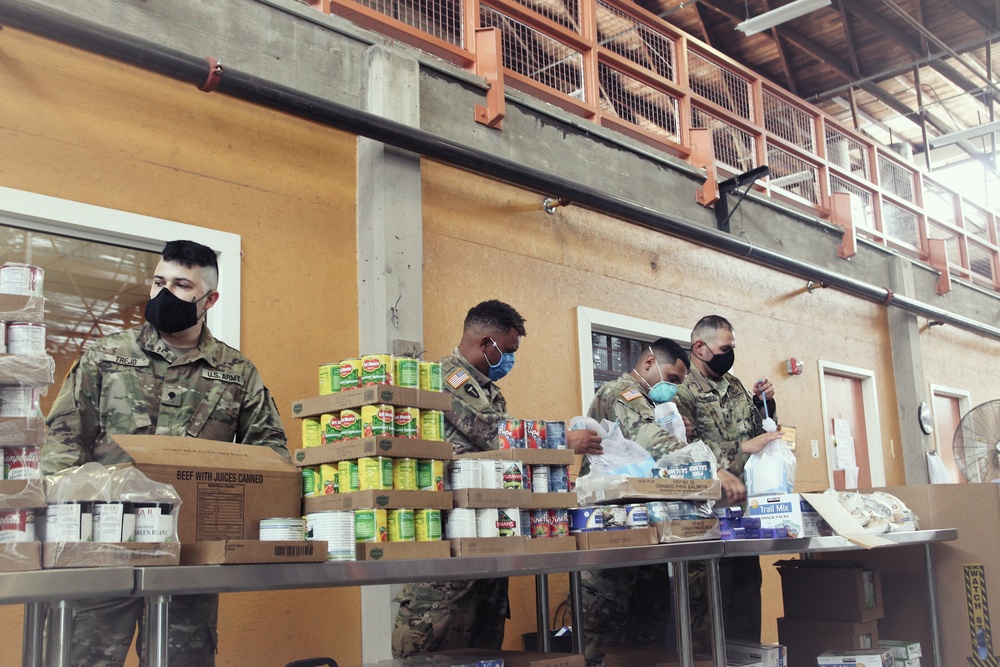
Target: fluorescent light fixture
{"points": [[964, 135], [768, 20]]}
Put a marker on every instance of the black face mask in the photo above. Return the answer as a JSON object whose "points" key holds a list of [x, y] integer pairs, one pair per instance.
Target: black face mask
{"points": [[169, 314], [721, 362]]}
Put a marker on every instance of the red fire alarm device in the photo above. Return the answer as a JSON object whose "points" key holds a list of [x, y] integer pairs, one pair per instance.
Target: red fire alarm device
{"points": [[794, 366]]}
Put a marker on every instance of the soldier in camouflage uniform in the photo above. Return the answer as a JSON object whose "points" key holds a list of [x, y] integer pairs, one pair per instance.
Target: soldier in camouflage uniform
{"points": [[447, 615], [630, 606], [727, 418], [168, 377]]}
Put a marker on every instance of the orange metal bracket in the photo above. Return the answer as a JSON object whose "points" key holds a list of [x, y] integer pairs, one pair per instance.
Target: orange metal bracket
{"points": [[489, 65], [703, 157], [939, 260], [842, 214], [321, 5]]}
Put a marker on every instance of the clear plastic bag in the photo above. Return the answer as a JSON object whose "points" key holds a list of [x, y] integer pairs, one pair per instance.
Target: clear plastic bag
{"points": [[771, 470]]}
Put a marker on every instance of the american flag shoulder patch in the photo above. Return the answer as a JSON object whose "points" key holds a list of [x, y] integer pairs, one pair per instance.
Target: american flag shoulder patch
{"points": [[631, 394], [458, 378]]}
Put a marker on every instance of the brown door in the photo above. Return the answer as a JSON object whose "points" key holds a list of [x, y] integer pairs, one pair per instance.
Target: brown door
{"points": [[947, 415], [845, 401]]}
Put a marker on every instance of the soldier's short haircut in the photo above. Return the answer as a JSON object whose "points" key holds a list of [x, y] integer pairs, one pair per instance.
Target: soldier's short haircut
{"points": [[669, 351], [708, 326], [495, 316], [191, 255]]}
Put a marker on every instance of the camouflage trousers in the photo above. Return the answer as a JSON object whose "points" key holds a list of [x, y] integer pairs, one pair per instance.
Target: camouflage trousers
{"points": [[740, 580], [103, 631], [626, 606], [446, 615]]}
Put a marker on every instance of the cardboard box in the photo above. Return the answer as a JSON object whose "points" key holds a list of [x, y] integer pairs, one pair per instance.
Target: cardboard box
{"points": [[94, 554], [616, 539], [552, 457], [862, 658], [403, 550], [17, 494], [225, 488], [17, 308], [769, 655], [643, 489], [390, 500], [552, 501], [489, 546], [807, 639], [548, 545], [20, 556], [646, 657], [487, 498], [686, 530], [789, 511], [370, 395], [348, 450], [830, 590], [524, 658], [902, 650], [232, 552], [21, 431], [27, 370]]}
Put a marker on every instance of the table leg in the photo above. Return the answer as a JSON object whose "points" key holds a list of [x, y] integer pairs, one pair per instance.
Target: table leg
{"points": [[932, 596], [715, 600], [157, 630], [683, 607], [60, 639], [34, 633], [576, 610], [542, 612]]}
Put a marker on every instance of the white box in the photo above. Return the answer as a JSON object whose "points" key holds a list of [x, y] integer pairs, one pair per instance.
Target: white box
{"points": [[864, 657], [743, 662], [769, 655], [786, 510], [901, 650]]}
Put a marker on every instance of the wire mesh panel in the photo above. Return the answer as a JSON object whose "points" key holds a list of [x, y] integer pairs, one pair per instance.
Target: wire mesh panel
{"points": [[939, 203], [639, 104], [564, 12], [732, 146], [789, 122], [900, 225], [636, 41], [977, 223], [440, 18], [713, 82], [838, 184], [792, 174], [981, 262], [895, 179], [537, 56], [846, 153]]}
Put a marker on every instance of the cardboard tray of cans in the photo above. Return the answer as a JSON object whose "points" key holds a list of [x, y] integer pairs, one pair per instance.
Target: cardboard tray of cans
{"points": [[489, 498], [553, 457], [21, 431], [641, 489], [20, 556], [403, 550], [616, 539], [18, 308], [557, 500], [233, 552], [109, 554], [16, 494], [371, 395], [510, 546], [399, 448], [390, 500], [27, 370]]}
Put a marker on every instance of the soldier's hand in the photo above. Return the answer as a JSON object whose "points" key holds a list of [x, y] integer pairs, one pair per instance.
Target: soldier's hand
{"points": [[754, 445], [584, 441], [733, 490], [763, 385]]}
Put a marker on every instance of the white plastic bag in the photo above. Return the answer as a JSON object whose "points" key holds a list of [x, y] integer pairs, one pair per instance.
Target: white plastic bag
{"points": [[936, 469], [771, 470]]}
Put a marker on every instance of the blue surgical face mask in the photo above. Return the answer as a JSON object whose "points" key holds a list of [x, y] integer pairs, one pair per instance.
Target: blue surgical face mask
{"points": [[662, 391], [502, 367]]}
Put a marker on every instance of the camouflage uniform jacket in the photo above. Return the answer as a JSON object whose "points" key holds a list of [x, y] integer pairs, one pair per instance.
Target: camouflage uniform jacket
{"points": [[132, 383], [624, 401], [477, 406], [723, 414]]}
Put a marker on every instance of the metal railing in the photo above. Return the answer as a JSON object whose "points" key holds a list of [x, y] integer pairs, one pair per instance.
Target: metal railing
{"points": [[626, 69]]}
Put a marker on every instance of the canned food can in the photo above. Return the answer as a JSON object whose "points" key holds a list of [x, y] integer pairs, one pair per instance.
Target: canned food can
{"points": [[525, 523], [407, 372], [555, 435], [154, 522], [430, 475], [17, 525], [371, 525], [336, 528], [541, 525], [404, 475], [22, 279], [62, 522], [377, 420], [534, 434], [3, 337], [21, 463], [329, 479], [311, 433], [401, 527], [311, 480], [114, 521], [513, 475], [376, 369], [375, 473], [465, 474], [613, 517], [350, 374], [559, 518], [282, 528], [429, 376], [585, 520], [350, 425], [540, 479], [511, 434], [558, 479], [427, 525], [636, 516], [330, 430], [347, 477], [406, 423], [18, 401], [432, 425], [460, 522], [329, 379], [503, 522], [492, 473], [26, 338]]}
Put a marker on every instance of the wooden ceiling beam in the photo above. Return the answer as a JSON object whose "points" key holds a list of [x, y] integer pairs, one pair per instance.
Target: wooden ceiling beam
{"points": [[976, 12], [789, 72], [709, 39], [852, 51]]}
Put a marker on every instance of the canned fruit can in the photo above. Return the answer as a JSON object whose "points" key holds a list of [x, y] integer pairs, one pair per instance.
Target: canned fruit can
{"points": [[376, 420], [371, 526], [62, 522], [613, 517], [18, 401], [555, 435], [22, 279], [26, 338], [427, 525], [430, 475], [350, 424], [329, 379], [401, 527], [329, 479], [154, 522], [541, 523], [21, 463], [17, 525], [460, 522], [330, 430], [513, 475], [504, 522], [347, 477], [375, 473], [540, 479], [465, 474], [559, 519], [406, 423], [429, 376], [432, 425], [534, 434], [558, 478], [636, 516], [404, 474], [350, 374], [585, 520], [311, 480], [407, 372], [114, 521], [311, 433], [510, 433], [376, 369]]}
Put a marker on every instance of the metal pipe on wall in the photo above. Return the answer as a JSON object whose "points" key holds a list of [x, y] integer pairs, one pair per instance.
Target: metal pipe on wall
{"points": [[69, 29]]}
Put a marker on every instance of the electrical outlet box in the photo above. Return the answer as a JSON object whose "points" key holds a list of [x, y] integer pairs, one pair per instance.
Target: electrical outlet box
{"points": [[815, 448]]}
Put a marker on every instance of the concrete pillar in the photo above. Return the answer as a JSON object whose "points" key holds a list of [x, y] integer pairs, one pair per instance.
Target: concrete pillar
{"points": [[390, 263], [908, 369]]}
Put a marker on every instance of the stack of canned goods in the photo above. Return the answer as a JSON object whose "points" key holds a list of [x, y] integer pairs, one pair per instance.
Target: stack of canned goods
{"points": [[373, 420], [504, 474], [379, 369], [108, 521], [23, 338], [397, 525], [373, 473], [608, 517], [523, 433]]}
